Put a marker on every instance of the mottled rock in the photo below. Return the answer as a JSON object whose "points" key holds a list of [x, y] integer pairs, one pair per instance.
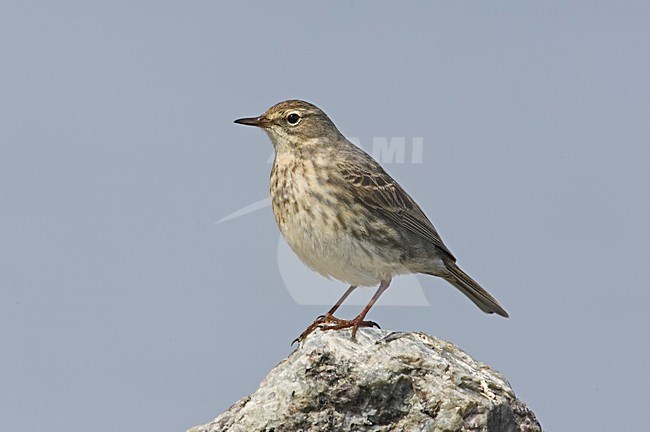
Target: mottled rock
{"points": [[383, 381]]}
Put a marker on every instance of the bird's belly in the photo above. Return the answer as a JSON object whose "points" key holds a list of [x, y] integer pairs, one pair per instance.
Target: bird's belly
{"points": [[321, 242], [334, 255]]}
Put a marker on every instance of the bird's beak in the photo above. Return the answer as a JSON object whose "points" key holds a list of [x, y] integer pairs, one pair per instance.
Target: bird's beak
{"points": [[253, 121]]}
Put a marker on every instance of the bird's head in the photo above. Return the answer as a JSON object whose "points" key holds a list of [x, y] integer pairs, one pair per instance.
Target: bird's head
{"points": [[295, 124]]}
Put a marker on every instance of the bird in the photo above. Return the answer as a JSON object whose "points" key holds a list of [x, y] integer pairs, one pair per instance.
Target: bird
{"points": [[346, 218]]}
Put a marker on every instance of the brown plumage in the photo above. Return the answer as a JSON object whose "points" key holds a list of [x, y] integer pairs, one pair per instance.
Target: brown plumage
{"points": [[345, 217]]}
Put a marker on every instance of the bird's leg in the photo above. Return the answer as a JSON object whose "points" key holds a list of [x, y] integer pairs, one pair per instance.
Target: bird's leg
{"points": [[330, 313], [327, 318], [358, 321]]}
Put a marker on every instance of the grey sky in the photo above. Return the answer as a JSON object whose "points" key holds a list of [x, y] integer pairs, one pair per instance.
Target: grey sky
{"points": [[123, 306]]}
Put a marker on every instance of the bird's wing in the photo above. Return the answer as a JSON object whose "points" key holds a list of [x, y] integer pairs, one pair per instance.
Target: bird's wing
{"points": [[378, 191]]}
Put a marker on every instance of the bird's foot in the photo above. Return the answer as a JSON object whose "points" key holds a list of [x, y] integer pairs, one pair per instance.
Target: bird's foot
{"points": [[321, 320], [330, 322], [353, 323]]}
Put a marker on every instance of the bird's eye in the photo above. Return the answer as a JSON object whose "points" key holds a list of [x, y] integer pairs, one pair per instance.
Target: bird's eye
{"points": [[293, 119]]}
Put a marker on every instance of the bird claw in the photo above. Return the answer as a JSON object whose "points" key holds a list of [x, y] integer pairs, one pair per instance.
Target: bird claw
{"points": [[321, 320], [330, 322], [353, 323]]}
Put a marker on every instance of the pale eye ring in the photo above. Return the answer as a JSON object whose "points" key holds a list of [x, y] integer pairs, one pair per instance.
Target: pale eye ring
{"points": [[293, 119]]}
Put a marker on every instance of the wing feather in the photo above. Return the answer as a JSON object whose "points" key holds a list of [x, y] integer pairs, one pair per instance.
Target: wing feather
{"points": [[381, 193]]}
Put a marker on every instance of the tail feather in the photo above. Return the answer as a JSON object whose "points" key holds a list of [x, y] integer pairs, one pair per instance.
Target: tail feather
{"points": [[473, 290]]}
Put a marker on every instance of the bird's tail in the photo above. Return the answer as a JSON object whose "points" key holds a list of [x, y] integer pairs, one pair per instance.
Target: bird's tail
{"points": [[473, 290]]}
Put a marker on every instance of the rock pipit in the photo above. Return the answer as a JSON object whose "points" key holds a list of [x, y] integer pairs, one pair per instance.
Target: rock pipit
{"points": [[345, 217]]}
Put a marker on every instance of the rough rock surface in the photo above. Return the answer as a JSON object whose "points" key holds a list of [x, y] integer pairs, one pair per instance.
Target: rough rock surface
{"points": [[385, 381]]}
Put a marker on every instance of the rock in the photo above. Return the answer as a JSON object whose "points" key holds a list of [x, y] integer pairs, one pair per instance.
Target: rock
{"points": [[383, 381]]}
